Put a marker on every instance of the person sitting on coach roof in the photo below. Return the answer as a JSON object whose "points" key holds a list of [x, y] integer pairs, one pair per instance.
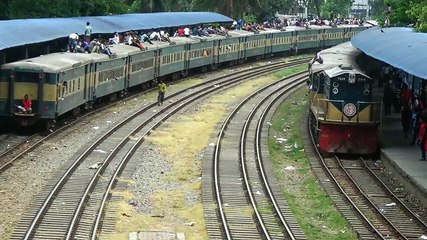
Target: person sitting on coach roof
{"points": [[155, 36], [95, 46], [144, 38], [180, 32], [79, 48], [186, 32], [115, 39], [106, 49]]}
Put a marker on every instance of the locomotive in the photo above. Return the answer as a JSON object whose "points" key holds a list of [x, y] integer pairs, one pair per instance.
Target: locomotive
{"points": [[60, 83], [343, 115]]}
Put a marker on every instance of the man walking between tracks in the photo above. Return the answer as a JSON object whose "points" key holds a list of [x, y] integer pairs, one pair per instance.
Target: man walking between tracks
{"points": [[162, 91]]}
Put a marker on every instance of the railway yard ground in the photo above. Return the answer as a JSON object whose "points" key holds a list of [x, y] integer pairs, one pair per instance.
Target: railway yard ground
{"points": [[160, 189]]}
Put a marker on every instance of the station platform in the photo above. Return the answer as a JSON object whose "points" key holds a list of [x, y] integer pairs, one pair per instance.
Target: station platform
{"points": [[400, 157]]}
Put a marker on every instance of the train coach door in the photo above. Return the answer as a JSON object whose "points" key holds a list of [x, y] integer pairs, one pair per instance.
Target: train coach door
{"points": [[268, 45], [157, 63], [127, 69], [86, 82], [187, 56], [40, 93], [216, 51], [242, 48], [11, 94], [89, 83]]}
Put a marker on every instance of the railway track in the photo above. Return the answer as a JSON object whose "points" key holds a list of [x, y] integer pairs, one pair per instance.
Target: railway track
{"points": [[374, 212], [244, 190], [13, 147], [72, 206]]}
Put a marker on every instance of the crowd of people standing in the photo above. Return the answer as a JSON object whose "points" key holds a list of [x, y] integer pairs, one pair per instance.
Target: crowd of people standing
{"points": [[398, 95]]}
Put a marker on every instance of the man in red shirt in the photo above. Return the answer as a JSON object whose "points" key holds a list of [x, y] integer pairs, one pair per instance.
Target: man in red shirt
{"points": [[180, 32], [26, 105]]}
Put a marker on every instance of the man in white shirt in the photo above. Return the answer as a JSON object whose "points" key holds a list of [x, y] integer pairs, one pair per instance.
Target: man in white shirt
{"points": [[186, 32], [155, 36], [72, 42]]}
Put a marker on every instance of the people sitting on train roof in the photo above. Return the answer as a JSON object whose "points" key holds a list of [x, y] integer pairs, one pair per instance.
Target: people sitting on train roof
{"points": [[143, 37], [136, 43], [164, 36], [187, 32], [72, 42], [179, 32], [106, 49], [155, 36], [222, 31], [86, 46], [240, 23], [95, 46], [79, 48], [200, 32], [115, 39], [25, 108], [127, 38]]}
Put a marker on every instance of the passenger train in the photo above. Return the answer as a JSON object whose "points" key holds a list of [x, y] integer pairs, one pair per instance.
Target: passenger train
{"points": [[60, 83], [343, 115]]}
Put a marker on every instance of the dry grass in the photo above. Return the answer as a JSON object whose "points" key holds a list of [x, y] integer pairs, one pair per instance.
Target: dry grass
{"points": [[182, 140]]}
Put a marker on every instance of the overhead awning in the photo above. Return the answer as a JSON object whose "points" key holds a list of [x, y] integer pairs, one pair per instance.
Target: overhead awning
{"points": [[20, 32], [400, 47]]}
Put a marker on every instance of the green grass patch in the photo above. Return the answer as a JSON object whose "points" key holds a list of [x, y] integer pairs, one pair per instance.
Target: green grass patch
{"points": [[291, 70], [302, 56], [313, 209]]}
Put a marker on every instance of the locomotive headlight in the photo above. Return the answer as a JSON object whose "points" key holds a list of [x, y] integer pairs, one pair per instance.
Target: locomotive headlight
{"points": [[336, 84], [351, 78], [335, 90]]}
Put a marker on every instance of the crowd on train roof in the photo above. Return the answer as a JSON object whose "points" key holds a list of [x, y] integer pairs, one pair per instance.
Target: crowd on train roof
{"points": [[88, 44]]}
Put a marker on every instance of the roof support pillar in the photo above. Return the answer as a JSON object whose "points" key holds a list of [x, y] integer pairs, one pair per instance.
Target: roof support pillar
{"points": [[25, 52], [2, 57]]}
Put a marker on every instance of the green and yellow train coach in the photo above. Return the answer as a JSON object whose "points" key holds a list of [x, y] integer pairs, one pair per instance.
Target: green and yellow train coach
{"points": [[60, 83]]}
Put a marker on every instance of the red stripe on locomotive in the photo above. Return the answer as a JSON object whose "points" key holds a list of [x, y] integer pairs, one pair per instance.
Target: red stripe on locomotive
{"points": [[335, 138]]}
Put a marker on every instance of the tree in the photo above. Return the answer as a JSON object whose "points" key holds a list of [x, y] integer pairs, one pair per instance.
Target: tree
{"points": [[377, 8], [341, 7], [317, 5], [417, 13], [5, 9]]}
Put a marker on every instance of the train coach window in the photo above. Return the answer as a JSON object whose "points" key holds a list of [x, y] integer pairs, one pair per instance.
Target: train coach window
{"points": [[64, 88], [78, 84], [26, 77]]}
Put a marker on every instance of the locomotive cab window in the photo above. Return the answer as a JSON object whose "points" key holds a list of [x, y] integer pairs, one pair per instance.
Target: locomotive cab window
{"points": [[318, 83]]}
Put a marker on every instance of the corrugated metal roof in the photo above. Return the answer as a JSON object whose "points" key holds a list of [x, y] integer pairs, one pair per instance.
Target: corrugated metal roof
{"points": [[343, 53], [399, 47], [338, 70], [27, 31]]}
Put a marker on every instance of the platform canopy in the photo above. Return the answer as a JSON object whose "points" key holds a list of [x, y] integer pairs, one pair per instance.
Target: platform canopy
{"points": [[20, 32], [400, 47]]}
